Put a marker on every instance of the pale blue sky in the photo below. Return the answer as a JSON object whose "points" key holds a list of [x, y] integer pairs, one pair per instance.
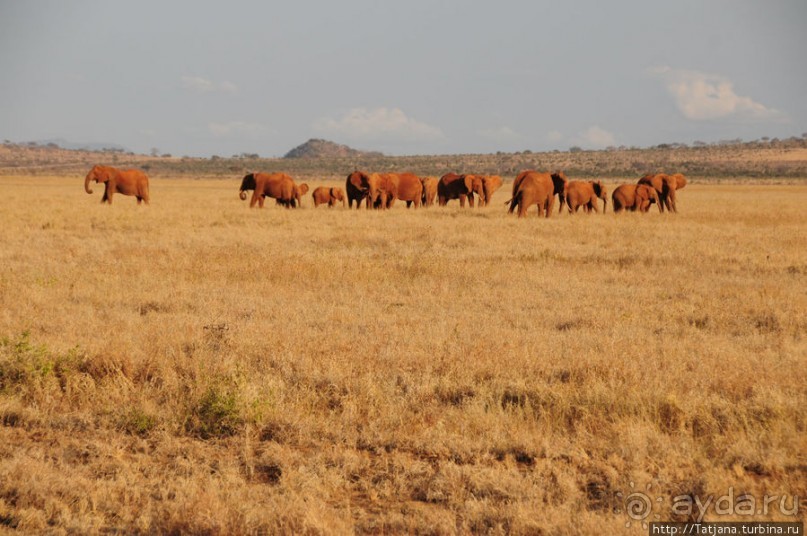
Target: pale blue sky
{"points": [[417, 77]]}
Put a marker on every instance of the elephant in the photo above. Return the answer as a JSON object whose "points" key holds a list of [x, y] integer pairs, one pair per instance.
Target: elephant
{"points": [[429, 190], [383, 190], [634, 197], [666, 187], [490, 183], [299, 192], [410, 189], [357, 186], [534, 189], [276, 185], [557, 178], [453, 186], [296, 198], [123, 181], [584, 194], [323, 195]]}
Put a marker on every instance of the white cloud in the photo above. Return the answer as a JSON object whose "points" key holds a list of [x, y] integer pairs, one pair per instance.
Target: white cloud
{"points": [[228, 87], [595, 137], [203, 85], [378, 124], [235, 128], [703, 96], [503, 134]]}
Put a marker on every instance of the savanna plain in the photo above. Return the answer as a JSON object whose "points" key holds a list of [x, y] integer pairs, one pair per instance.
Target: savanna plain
{"points": [[198, 367]]}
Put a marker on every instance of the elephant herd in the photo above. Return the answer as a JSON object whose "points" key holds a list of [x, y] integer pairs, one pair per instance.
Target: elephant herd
{"points": [[381, 190]]}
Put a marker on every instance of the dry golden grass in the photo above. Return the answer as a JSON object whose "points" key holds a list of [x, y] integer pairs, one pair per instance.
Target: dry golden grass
{"points": [[196, 366]]}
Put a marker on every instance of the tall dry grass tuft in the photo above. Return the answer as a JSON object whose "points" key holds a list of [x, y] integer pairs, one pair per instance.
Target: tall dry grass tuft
{"points": [[195, 366]]}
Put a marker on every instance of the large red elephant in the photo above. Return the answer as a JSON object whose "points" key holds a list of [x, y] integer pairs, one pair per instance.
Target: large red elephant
{"points": [[558, 179], [462, 187], [666, 187], [357, 187], [534, 188], [383, 190], [633, 197], [275, 185], [123, 181], [490, 183], [410, 189], [429, 190], [585, 194]]}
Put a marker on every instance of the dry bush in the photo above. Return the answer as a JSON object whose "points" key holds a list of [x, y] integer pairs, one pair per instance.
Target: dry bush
{"points": [[196, 366]]}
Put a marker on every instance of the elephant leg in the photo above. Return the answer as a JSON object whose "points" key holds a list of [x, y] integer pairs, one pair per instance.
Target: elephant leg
{"points": [[462, 201], [408, 204], [550, 205], [471, 200]]}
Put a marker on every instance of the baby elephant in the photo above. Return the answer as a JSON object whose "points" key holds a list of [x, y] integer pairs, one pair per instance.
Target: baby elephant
{"points": [[330, 196], [584, 194]]}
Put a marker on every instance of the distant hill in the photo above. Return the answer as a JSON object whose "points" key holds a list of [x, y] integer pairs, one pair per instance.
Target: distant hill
{"points": [[769, 159], [315, 148]]}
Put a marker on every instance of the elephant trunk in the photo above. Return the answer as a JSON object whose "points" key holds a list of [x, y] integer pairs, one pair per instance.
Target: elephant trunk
{"points": [[87, 180], [604, 205], [243, 195]]}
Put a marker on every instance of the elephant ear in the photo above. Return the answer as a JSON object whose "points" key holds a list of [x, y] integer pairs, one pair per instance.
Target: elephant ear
{"points": [[469, 182], [107, 173], [597, 188], [559, 180]]}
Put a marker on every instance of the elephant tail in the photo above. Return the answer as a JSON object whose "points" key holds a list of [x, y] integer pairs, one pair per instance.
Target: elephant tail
{"points": [[513, 202]]}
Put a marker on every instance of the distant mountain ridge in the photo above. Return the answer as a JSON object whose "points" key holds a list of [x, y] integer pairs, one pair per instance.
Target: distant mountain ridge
{"points": [[317, 148], [74, 146]]}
